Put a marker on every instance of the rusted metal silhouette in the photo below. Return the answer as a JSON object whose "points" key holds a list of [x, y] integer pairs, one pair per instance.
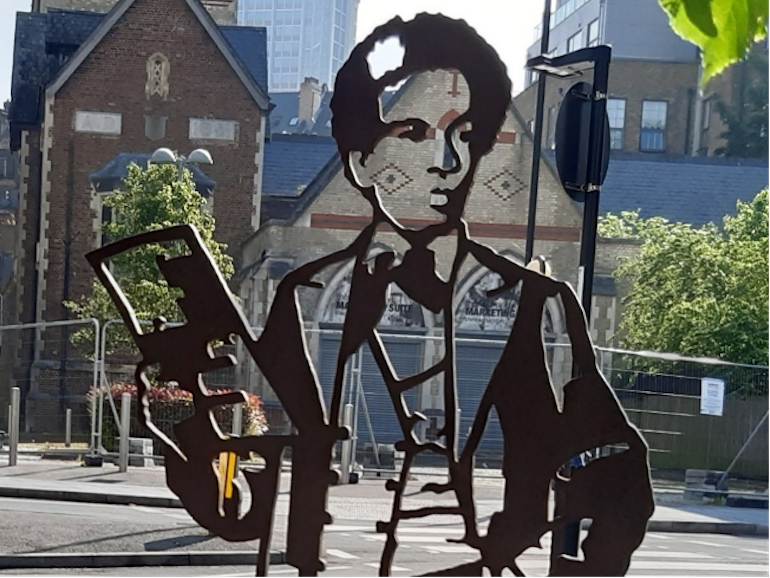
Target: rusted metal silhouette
{"points": [[540, 435]]}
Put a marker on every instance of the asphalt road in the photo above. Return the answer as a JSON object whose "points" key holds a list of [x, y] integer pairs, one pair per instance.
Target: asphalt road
{"points": [[352, 546]]}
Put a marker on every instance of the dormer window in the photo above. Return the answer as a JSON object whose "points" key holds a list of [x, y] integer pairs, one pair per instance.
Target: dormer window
{"points": [[158, 69]]}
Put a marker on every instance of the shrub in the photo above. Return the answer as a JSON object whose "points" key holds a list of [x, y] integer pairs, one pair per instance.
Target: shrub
{"points": [[170, 405]]}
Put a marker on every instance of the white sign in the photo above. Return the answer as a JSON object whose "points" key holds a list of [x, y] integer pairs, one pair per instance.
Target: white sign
{"points": [[712, 396], [98, 122], [213, 129]]}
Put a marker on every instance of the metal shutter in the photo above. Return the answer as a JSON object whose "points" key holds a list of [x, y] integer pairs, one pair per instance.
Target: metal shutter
{"points": [[475, 361], [406, 358]]}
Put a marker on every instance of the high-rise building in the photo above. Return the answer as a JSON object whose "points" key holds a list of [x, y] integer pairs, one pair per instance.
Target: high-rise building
{"points": [[305, 38]]}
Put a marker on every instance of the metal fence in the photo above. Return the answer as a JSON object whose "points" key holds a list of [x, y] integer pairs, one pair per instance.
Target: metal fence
{"points": [[54, 366]]}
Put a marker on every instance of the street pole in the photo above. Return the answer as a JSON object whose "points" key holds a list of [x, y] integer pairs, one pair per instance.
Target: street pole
{"points": [[537, 135], [13, 426], [571, 532]]}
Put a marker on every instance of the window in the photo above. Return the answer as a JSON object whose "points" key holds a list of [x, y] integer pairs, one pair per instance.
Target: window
{"points": [[294, 121], [653, 133], [550, 131], [6, 171], [616, 112], [575, 42], [158, 69], [593, 33], [104, 215], [706, 120]]}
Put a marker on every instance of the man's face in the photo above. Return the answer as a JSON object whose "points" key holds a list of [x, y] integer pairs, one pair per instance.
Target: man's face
{"points": [[418, 175]]}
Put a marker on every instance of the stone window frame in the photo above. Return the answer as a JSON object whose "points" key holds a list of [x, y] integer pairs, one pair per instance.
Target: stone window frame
{"points": [[158, 72]]}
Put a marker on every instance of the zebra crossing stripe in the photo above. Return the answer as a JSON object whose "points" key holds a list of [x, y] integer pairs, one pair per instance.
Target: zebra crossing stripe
{"points": [[341, 554]]}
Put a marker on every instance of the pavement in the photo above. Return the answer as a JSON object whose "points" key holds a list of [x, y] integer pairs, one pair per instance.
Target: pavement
{"points": [[144, 487]]}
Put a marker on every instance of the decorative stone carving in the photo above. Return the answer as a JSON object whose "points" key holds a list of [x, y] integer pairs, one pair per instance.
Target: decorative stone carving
{"points": [[158, 71]]}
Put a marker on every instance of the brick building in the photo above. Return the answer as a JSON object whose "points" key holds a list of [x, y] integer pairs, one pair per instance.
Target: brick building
{"points": [[651, 105], [9, 204], [91, 91], [309, 214], [222, 11], [730, 87]]}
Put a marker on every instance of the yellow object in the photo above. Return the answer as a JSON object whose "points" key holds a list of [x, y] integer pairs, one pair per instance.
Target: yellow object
{"points": [[227, 461]]}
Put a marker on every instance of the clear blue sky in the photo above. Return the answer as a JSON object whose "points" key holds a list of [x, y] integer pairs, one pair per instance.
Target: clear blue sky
{"points": [[506, 24]]}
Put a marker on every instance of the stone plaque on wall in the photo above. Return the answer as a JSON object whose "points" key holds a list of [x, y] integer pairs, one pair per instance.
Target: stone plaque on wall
{"points": [[213, 129], [98, 122]]}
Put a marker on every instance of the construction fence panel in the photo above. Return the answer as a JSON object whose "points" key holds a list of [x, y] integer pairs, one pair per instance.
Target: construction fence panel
{"points": [[54, 365]]}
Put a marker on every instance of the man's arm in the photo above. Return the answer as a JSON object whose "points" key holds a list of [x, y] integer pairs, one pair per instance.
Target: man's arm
{"points": [[281, 352], [512, 273]]}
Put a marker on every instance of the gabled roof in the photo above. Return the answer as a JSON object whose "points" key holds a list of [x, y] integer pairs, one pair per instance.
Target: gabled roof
{"points": [[44, 41], [250, 45], [117, 12], [695, 190]]}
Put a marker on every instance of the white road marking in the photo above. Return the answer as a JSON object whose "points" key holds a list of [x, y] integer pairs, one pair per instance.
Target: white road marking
{"points": [[641, 566], [423, 539], [394, 568], [336, 528], [341, 554], [710, 544], [451, 549], [651, 554], [750, 551]]}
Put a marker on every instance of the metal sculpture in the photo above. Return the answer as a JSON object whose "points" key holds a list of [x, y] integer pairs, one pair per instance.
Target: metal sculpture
{"points": [[540, 435]]}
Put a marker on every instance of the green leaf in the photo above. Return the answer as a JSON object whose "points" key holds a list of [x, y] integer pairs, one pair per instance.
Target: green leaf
{"points": [[723, 29]]}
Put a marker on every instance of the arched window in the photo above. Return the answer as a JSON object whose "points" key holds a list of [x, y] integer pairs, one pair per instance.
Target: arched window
{"points": [[158, 69]]}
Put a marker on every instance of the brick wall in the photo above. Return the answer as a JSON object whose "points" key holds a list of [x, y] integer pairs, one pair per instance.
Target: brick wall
{"points": [[634, 80], [112, 80]]}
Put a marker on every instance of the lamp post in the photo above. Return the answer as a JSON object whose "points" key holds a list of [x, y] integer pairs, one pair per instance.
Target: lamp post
{"points": [[166, 156]]}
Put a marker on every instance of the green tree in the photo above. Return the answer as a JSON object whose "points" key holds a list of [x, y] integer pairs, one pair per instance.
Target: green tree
{"points": [[697, 291], [747, 119], [723, 29], [151, 199]]}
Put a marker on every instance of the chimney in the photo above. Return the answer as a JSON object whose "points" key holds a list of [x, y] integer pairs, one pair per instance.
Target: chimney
{"points": [[309, 99]]}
